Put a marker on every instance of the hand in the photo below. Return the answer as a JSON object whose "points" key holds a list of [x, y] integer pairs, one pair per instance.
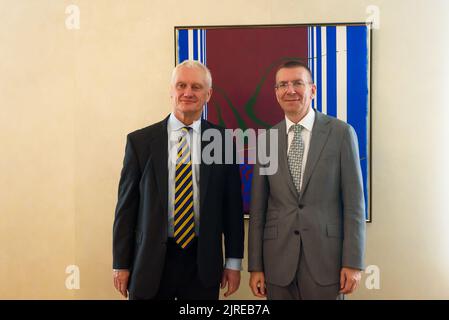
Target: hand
{"points": [[349, 280], [232, 278], [257, 284], [121, 281]]}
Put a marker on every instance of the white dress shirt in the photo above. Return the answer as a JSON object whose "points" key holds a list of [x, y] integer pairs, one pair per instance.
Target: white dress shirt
{"points": [[306, 134], [174, 127], [174, 131]]}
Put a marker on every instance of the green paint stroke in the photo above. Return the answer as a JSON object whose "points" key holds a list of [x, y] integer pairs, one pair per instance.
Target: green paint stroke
{"points": [[240, 122], [220, 116]]}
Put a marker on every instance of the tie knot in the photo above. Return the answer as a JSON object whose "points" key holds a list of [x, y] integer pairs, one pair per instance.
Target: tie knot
{"points": [[296, 128], [185, 130]]}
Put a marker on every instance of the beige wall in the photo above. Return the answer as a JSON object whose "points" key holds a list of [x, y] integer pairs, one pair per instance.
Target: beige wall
{"points": [[68, 98]]}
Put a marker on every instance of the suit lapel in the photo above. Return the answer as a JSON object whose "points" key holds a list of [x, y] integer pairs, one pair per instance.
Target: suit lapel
{"points": [[159, 147], [320, 133], [282, 154], [205, 170]]}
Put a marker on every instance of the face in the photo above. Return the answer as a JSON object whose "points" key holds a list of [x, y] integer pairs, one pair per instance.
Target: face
{"points": [[189, 92], [295, 92]]}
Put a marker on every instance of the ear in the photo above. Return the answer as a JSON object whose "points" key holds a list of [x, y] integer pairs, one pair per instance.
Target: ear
{"points": [[313, 91], [209, 94]]}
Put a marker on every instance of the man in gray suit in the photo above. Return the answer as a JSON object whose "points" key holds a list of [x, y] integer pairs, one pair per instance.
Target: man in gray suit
{"points": [[307, 221]]}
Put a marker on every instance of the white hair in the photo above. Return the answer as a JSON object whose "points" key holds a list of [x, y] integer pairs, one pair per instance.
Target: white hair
{"points": [[193, 64]]}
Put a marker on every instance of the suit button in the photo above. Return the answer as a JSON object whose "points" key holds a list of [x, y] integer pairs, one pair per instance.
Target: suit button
{"points": [[296, 232], [301, 206]]}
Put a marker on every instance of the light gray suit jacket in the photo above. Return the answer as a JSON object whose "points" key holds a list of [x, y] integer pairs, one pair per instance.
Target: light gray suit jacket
{"points": [[328, 217]]}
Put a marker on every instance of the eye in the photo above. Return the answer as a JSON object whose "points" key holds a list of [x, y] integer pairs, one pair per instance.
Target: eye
{"points": [[197, 87], [298, 83], [180, 85], [283, 85]]}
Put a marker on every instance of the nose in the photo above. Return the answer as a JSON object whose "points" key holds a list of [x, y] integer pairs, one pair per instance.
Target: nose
{"points": [[188, 92], [290, 88]]}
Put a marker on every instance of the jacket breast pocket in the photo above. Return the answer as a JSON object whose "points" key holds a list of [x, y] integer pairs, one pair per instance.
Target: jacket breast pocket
{"points": [[328, 161], [271, 215]]}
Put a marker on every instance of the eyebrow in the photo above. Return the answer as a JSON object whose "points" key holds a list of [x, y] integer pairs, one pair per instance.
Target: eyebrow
{"points": [[296, 80], [193, 84]]}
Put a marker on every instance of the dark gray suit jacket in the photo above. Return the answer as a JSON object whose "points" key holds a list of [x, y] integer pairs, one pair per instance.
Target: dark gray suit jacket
{"points": [[328, 217], [141, 218]]}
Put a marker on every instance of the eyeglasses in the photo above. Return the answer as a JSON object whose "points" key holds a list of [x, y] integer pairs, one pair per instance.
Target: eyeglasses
{"points": [[296, 84], [182, 86]]}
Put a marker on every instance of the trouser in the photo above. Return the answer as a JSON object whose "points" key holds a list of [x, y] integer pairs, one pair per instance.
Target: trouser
{"points": [[303, 287], [180, 280]]}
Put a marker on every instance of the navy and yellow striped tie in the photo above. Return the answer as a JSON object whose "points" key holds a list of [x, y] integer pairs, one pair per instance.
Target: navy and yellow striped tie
{"points": [[184, 217]]}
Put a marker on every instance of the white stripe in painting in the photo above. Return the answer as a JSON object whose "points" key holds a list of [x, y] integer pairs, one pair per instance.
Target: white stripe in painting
{"points": [[368, 75], [203, 60], [309, 52], [323, 71], [190, 45], [341, 73]]}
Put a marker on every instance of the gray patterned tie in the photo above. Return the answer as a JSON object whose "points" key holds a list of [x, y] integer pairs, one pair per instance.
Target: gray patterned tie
{"points": [[295, 155]]}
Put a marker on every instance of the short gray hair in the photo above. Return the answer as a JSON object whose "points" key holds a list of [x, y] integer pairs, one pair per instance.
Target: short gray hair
{"points": [[193, 64]]}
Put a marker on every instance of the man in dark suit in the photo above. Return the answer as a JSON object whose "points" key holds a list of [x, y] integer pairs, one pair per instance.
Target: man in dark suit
{"points": [[173, 209], [307, 222]]}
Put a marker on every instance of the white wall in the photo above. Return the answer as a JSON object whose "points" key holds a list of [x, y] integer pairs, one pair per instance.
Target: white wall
{"points": [[69, 97]]}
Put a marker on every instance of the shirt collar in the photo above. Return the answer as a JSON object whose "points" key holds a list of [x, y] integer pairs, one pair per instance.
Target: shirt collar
{"points": [[306, 122], [175, 125]]}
